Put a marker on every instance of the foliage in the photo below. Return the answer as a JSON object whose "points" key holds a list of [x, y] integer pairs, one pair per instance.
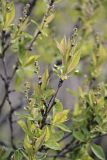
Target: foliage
{"points": [[51, 131]]}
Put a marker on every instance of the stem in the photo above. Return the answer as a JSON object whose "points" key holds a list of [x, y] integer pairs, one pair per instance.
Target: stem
{"points": [[32, 5], [37, 31], [50, 104], [52, 100]]}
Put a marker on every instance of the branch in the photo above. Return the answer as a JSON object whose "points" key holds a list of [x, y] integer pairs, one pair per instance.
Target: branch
{"points": [[65, 137], [7, 81], [32, 5], [11, 122], [50, 104], [70, 147], [52, 100], [7, 115], [37, 31]]}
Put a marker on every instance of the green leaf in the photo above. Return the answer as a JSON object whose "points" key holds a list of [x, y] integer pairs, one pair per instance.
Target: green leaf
{"points": [[47, 133], [24, 155], [18, 155], [37, 91], [21, 74], [41, 156], [24, 116], [58, 107], [49, 19], [9, 15], [22, 124], [48, 93], [19, 77], [80, 92], [45, 78], [63, 127], [40, 140], [102, 55], [74, 62], [27, 144], [28, 71], [55, 136], [30, 60], [60, 117], [52, 144], [77, 110], [98, 151], [78, 135], [70, 91]]}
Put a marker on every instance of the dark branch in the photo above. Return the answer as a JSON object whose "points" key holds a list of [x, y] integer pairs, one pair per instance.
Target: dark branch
{"points": [[32, 5]]}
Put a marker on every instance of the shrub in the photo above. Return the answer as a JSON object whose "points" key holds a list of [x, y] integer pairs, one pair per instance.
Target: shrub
{"points": [[50, 130]]}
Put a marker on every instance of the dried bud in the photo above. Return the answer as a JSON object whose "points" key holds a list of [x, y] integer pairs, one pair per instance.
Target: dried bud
{"points": [[39, 77], [72, 45], [36, 63], [40, 82], [42, 111], [20, 19], [29, 100], [27, 5]]}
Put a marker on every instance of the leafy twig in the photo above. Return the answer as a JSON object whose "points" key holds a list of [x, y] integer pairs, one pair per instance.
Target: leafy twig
{"points": [[50, 104], [37, 31]]}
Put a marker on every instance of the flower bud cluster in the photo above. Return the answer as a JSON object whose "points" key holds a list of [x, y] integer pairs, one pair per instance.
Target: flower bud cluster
{"points": [[27, 87], [37, 68]]}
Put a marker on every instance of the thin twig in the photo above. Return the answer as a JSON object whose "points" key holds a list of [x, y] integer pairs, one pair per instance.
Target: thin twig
{"points": [[32, 5], [50, 104], [65, 137], [37, 31], [52, 100], [7, 115]]}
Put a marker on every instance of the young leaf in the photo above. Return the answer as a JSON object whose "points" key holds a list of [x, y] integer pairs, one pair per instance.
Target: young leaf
{"points": [[27, 144], [52, 144], [30, 60], [47, 133], [49, 19], [18, 155], [45, 78], [40, 141], [22, 125], [63, 127], [58, 107], [60, 117], [74, 62], [9, 15], [78, 135], [98, 151]]}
